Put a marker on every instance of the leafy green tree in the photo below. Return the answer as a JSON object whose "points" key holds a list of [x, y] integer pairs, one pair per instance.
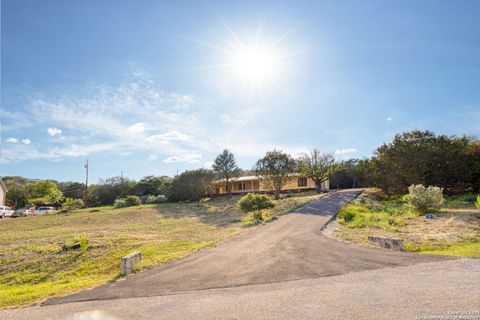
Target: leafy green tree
{"points": [[473, 152], [421, 157], [109, 190], [274, 170], [152, 185], [318, 166], [44, 192], [192, 185], [70, 189], [346, 177], [367, 172], [226, 167], [16, 191]]}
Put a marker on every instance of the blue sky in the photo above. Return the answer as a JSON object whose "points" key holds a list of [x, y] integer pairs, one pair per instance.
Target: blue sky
{"points": [[148, 87]]}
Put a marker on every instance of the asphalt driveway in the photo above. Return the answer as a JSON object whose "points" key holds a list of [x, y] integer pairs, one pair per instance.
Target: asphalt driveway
{"points": [[291, 248]]}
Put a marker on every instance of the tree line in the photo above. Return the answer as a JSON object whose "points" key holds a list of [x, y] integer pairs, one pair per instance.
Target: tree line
{"points": [[414, 157]]}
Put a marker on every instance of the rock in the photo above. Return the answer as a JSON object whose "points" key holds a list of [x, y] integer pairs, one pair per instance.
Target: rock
{"points": [[388, 243], [128, 262]]}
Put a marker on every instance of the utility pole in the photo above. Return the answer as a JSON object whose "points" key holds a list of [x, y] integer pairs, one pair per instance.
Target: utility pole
{"points": [[86, 184]]}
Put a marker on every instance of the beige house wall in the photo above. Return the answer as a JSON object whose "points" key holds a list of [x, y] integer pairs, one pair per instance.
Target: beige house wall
{"points": [[254, 185]]}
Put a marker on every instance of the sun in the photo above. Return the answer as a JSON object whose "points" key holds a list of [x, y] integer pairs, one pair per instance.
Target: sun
{"points": [[249, 64], [254, 64]]}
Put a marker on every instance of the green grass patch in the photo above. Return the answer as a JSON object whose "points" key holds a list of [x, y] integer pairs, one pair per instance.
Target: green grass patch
{"points": [[466, 200], [461, 249], [363, 213]]}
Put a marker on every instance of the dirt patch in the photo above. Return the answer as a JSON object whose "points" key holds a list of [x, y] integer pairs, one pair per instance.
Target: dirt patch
{"points": [[448, 226]]}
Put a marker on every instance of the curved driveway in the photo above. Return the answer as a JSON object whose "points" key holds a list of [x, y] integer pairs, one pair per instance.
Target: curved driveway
{"points": [[291, 248]]}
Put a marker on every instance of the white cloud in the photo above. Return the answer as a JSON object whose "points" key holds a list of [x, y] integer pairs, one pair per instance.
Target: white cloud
{"points": [[12, 140], [26, 141], [75, 150], [136, 128], [54, 131], [168, 136], [389, 119], [133, 117], [187, 157], [345, 151]]}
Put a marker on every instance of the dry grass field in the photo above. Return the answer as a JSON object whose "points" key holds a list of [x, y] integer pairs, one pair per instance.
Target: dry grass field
{"points": [[57, 254]]}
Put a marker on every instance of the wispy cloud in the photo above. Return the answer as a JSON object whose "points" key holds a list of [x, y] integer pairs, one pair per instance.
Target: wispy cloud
{"points": [[188, 157], [54, 131], [129, 117], [26, 141], [345, 151], [136, 116], [12, 140]]}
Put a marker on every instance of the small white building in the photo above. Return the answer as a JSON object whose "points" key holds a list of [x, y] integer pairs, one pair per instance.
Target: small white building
{"points": [[3, 193]]}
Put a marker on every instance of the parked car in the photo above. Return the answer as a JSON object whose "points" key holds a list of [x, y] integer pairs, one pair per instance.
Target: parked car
{"points": [[5, 212], [43, 210], [25, 211]]}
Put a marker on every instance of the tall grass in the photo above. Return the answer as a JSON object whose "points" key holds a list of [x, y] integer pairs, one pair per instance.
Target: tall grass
{"points": [[367, 213]]}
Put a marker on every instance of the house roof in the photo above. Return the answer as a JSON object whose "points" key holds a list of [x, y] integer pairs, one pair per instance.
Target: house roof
{"points": [[249, 178], [244, 178]]}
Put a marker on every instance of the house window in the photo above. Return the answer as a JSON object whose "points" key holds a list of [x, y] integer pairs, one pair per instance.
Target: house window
{"points": [[302, 182], [241, 186]]}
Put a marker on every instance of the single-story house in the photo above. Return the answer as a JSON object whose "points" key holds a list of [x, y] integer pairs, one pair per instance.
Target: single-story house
{"points": [[3, 193], [254, 184]]}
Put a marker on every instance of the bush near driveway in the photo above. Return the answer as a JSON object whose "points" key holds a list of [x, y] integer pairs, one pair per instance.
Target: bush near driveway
{"points": [[425, 198], [256, 203]]}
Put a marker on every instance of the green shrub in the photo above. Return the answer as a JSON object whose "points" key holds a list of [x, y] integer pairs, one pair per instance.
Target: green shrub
{"points": [[477, 203], [131, 201], [120, 203], [255, 203], [83, 244], [160, 199], [72, 204], [148, 199], [423, 198], [153, 199]]}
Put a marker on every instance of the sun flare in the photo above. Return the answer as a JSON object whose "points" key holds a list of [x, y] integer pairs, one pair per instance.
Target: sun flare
{"points": [[254, 64], [251, 63]]}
